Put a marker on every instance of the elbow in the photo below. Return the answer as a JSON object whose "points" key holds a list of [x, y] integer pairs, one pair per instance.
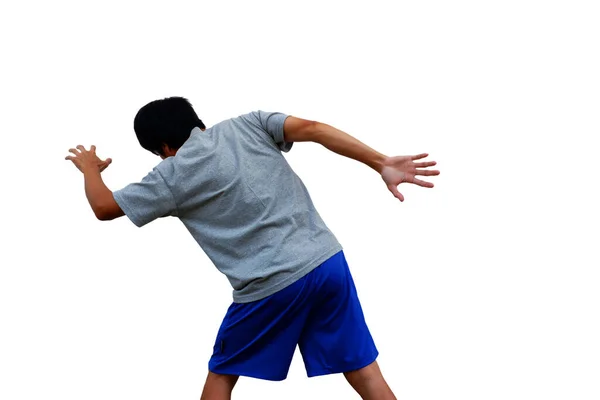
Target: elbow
{"points": [[106, 213], [315, 131], [107, 210], [102, 215]]}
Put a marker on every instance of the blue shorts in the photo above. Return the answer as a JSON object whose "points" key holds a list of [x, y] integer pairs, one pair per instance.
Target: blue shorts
{"points": [[320, 313]]}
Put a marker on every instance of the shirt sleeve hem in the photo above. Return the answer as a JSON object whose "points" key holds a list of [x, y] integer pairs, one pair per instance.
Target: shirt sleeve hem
{"points": [[127, 210]]}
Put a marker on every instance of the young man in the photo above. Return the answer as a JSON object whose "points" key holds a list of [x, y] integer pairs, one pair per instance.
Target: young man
{"points": [[235, 192]]}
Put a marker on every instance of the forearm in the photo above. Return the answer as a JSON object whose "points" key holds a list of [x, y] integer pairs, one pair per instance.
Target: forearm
{"points": [[98, 195], [345, 145]]}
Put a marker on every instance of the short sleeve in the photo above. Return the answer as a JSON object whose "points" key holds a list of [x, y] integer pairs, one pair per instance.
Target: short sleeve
{"points": [[145, 201], [272, 123]]}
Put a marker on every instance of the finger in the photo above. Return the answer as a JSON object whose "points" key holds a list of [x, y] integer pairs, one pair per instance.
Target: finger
{"points": [[81, 148], [422, 183], [74, 151], [93, 149], [75, 161], [395, 192], [425, 164], [427, 172], [419, 156]]}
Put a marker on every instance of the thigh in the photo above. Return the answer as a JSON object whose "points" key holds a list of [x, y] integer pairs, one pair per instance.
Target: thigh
{"points": [[336, 337], [258, 339]]}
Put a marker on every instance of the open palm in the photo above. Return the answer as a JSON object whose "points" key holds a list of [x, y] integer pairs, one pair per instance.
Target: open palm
{"points": [[399, 169]]}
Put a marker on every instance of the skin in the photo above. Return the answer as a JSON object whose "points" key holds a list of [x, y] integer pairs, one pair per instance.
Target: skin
{"points": [[98, 195], [393, 170], [368, 381]]}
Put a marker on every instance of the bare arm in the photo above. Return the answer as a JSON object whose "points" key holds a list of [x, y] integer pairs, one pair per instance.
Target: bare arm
{"points": [[98, 195], [300, 130], [393, 170]]}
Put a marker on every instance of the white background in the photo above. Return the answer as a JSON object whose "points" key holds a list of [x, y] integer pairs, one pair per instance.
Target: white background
{"points": [[485, 287]]}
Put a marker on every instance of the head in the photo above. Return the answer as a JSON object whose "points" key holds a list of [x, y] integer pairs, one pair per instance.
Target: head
{"points": [[163, 126]]}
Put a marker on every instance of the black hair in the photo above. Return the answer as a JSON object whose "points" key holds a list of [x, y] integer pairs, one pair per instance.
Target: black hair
{"points": [[168, 121]]}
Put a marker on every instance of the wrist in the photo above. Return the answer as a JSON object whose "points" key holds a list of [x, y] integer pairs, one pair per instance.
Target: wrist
{"points": [[379, 162], [90, 169]]}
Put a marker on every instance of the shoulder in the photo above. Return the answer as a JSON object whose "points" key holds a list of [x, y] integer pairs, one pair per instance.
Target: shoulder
{"points": [[165, 169]]}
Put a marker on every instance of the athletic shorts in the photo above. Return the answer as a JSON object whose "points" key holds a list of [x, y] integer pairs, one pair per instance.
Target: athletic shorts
{"points": [[320, 313]]}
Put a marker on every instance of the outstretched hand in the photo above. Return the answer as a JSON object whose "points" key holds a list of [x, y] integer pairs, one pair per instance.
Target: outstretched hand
{"points": [[86, 159], [399, 169]]}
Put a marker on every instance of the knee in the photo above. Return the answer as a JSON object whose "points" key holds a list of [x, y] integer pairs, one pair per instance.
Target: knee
{"points": [[222, 379], [369, 373], [369, 383], [218, 386]]}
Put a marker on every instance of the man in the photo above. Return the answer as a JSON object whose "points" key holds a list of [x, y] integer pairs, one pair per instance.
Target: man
{"points": [[236, 194]]}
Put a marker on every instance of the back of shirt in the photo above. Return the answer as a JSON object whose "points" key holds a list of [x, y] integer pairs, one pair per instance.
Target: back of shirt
{"points": [[234, 191]]}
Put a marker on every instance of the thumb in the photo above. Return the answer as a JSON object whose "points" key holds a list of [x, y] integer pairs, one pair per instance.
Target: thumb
{"points": [[395, 192], [105, 164]]}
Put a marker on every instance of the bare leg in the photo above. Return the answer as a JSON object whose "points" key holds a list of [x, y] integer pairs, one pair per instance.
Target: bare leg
{"points": [[369, 383], [218, 387]]}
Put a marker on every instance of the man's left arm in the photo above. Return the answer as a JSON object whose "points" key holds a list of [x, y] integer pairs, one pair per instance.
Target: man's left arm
{"points": [[98, 195]]}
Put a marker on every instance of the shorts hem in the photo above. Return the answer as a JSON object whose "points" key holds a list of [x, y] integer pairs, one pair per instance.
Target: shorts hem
{"points": [[341, 370], [247, 374]]}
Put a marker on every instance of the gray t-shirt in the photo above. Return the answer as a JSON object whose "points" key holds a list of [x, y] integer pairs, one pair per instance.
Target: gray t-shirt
{"points": [[237, 195]]}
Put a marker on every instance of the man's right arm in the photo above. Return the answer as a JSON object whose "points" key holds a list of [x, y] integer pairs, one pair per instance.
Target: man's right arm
{"points": [[302, 130], [393, 170]]}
